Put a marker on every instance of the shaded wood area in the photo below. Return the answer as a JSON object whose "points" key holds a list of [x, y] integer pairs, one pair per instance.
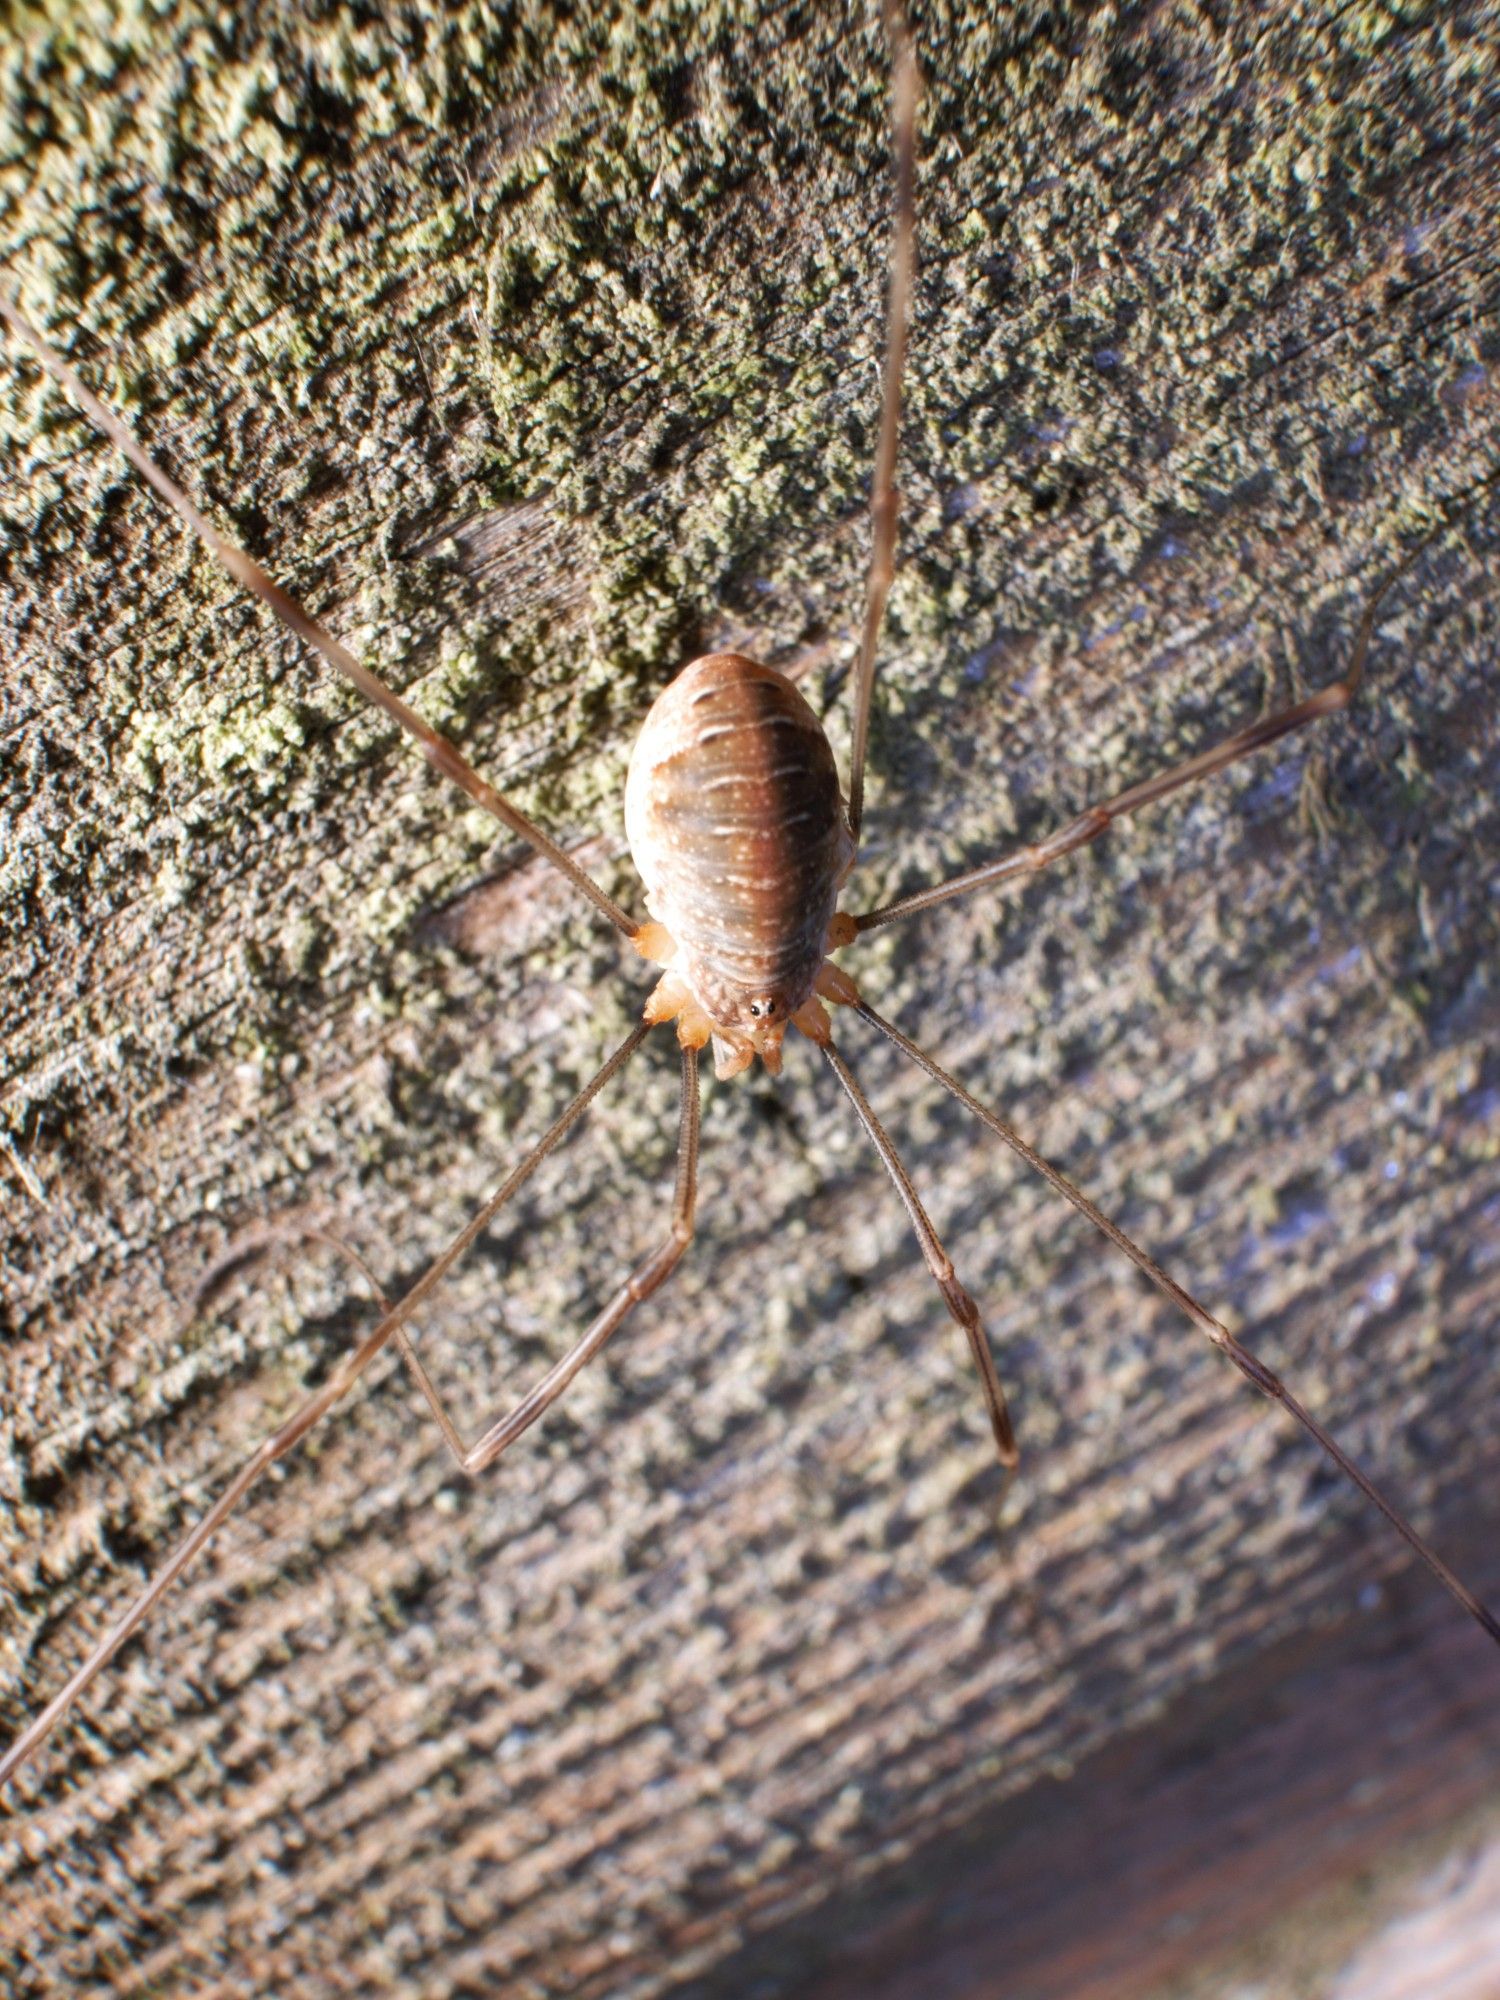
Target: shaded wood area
{"points": [[1274, 1835], [540, 352]]}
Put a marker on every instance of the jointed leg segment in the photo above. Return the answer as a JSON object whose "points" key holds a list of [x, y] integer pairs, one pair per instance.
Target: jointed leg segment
{"points": [[392, 1326], [649, 1274], [957, 1300], [1254, 1370], [435, 747], [1097, 819], [885, 500]]}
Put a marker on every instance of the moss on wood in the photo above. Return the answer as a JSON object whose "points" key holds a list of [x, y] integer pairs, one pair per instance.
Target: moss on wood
{"points": [[539, 352]]}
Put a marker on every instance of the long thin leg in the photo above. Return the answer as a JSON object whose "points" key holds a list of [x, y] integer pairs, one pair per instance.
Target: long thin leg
{"points": [[650, 1273], [436, 748], [884, 501], [1092, 822], [1255, 1371], [955, 1297], [343, 1378]]}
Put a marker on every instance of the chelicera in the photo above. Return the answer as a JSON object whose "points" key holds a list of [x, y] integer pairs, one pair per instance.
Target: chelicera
{"points": [[744, 841]]}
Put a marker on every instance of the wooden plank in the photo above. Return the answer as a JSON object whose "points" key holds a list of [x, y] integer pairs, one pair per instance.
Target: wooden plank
{"points": [[540, 355], [1320, 1824]]}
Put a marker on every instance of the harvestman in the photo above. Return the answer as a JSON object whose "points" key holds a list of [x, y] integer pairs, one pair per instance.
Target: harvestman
{"points": [[737, 825]]}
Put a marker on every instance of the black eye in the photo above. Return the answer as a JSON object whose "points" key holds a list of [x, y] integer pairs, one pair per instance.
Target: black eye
{"points": [[760, 1008]]}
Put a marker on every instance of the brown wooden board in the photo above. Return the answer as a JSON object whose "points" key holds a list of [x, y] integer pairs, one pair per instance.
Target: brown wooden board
{"points": [[539, 351]]}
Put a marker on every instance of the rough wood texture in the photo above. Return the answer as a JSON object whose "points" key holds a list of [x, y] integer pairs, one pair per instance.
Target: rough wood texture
{"points": [[1248, 1847], [540, 355]]}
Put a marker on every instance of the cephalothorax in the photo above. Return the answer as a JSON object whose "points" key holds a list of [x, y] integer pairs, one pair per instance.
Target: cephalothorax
{"points": [[743, 840]]}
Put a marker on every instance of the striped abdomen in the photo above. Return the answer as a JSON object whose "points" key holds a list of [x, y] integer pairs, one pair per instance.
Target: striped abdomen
{"points": [[735, 820]]}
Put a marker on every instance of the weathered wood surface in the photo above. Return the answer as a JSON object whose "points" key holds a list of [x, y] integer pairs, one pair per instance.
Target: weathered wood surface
{"points": [[1248, 1846], [540, 354]]}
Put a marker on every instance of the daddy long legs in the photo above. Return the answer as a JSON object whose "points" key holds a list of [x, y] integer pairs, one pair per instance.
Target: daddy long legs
{"points": [[1179, 847], [744, 842]]}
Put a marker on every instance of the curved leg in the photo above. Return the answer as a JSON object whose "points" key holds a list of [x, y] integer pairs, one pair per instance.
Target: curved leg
{"points": [[342, 1379], [884, 498], [1253, 1370], [436, 748], [1096, 819], [957, 1300]]}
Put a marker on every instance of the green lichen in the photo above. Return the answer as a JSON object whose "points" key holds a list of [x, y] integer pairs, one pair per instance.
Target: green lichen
{"points": [[538, 353]]}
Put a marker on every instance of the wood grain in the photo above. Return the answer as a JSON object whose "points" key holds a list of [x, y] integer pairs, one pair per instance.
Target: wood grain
{"points": [[1270, 1835], [540, 353]]}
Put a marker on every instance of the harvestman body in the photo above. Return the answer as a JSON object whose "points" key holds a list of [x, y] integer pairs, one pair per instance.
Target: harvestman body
{"points": [[743, 840]]}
